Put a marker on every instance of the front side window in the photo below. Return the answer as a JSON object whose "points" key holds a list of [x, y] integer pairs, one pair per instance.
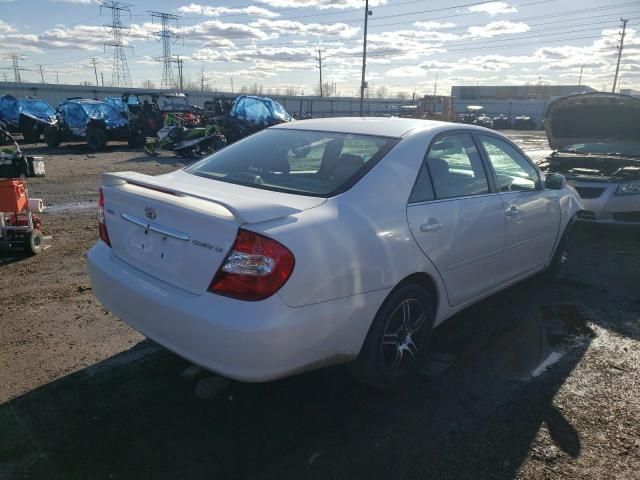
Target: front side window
{"points": [[295, 161], [455, 167], [515, 173]]}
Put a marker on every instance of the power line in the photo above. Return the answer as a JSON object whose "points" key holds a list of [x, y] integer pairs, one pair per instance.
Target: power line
{"points": [[622, 35], [167, 37], [120, 74], [95, 69]]}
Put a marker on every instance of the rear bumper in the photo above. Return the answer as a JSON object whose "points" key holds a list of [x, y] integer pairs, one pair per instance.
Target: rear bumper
{"points": [[607, 207], [248, 341]]}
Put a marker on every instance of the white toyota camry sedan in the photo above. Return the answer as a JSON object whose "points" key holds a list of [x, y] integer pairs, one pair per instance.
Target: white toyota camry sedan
{"points": [[325, 241]]}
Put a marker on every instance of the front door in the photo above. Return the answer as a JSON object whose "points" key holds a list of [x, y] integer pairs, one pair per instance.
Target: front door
{"points": [[456, 219], [532, 213]]}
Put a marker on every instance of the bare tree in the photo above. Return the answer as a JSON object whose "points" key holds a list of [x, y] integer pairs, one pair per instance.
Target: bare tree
{"points": [[402, 95], [382, 92], [148, 84]]}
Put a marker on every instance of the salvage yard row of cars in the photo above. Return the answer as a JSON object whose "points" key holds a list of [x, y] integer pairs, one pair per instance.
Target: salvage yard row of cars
{"points": [[178, 126]]}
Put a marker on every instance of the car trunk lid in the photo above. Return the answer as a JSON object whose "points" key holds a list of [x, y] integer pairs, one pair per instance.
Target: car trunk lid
{"points": [[179, 227]]}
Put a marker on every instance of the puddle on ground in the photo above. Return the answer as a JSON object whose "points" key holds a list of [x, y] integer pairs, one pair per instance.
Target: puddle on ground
{"points": [[526, 350]]}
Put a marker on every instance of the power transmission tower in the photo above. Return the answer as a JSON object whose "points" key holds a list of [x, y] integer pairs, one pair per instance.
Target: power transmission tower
{"points": [[622, 34], [320, 66], [363, 84], [15, 66], [167, 37], [41, 73], [95, 69], [120, 74]]}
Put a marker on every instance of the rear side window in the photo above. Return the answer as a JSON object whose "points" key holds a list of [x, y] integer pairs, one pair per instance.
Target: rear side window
{"points": [[455, 168], [295, 161]]}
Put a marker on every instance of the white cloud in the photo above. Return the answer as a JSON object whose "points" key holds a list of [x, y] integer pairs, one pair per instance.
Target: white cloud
{"points": [[430, 25], [214, 29], [323, 4], [197, 9], [6, 28], [298, 28], [501, 27], [77, 2], [493, 8]]}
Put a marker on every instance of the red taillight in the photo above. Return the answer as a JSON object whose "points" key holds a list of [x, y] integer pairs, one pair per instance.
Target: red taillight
{"points": [[102, 226], [255, 268]]}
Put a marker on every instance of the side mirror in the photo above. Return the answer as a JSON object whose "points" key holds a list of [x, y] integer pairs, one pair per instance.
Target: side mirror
{"points": [[555, 181]]}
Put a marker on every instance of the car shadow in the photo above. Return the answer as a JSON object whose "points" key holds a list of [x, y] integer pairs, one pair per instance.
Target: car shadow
{"points": [[8, 257], [74, 148], [473, 411]]}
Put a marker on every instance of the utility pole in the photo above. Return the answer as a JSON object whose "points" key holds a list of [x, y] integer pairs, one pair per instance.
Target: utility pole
{"points": [[580, 77], [120, 74], [622, 34], [363, 84], [435, 86], [320, 66], [102, 78], [202, 80], [41, 73], [168, 38], [231, 84], [95, 70], [180, 62], [57, 77], [15, 66]]}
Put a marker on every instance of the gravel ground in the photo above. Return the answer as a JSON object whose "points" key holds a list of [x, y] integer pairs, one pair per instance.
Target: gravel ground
{"points": [[84, 396]]}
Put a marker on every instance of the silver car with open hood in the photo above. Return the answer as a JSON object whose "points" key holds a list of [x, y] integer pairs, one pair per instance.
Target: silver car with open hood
{"points": [[596, 143]]}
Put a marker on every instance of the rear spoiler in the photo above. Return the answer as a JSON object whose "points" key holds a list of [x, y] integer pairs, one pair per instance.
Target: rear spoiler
{"points": [[244, 209]]}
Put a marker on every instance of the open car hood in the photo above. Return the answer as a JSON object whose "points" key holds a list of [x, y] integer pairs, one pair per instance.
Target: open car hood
{"points": [[591, 118]]}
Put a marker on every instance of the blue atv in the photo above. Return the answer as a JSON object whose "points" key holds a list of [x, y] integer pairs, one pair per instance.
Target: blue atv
{"points": [[82, 119], [26, 116]]}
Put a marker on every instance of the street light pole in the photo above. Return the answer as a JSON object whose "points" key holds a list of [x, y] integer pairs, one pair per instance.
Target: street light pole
{"points": [[364, 55]]}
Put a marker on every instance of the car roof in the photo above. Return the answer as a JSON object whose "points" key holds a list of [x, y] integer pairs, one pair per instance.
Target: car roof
{"points": [[379, 126]]}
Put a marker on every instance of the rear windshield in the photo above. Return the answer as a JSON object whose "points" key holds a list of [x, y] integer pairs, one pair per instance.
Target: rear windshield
{"points": [[296, 161]]}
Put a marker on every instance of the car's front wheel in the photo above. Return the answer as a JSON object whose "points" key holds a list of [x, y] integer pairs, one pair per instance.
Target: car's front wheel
{"points": [[52, 137], [398, 336]]}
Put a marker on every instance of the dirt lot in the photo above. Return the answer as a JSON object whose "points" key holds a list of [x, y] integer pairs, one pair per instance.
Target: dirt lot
{"points": [[84, 396]]}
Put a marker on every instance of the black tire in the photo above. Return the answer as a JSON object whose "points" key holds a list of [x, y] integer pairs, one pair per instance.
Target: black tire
{"points": [[396, 338], [96, 139], [31, 133], [52, 137], [137, 140], [557, 269], [34, 242]]}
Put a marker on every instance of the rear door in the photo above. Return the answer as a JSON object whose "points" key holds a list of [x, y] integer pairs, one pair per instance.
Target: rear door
{"points": [[457, 218], [532, 213]]}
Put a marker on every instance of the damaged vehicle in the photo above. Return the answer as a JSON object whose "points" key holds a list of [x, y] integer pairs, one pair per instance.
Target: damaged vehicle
{"points": [[475, 115], [27, 116], [596, 142], [250, 114], [82, 119], [192, 142], [147, 112]]}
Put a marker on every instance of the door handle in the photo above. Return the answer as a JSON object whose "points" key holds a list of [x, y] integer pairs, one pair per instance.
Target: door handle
{"points": [[431, 226], [512, 211]]}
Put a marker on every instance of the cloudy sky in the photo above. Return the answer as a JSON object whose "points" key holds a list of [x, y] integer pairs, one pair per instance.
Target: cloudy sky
{"points": [[275, 42]]}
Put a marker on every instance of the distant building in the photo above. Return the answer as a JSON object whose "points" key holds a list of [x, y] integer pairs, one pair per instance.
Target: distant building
{"points": [[517, 92], [630, 91]]}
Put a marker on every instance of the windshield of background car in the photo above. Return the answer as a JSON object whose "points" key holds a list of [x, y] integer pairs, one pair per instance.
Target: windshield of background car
{"points": [[296, 161], [173, 104], [279, 112], [36, 107], [101, 111], [621, 148]]}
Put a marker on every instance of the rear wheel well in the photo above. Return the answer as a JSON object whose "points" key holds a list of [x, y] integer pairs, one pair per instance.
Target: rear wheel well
{"points": [[426, 282]]}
